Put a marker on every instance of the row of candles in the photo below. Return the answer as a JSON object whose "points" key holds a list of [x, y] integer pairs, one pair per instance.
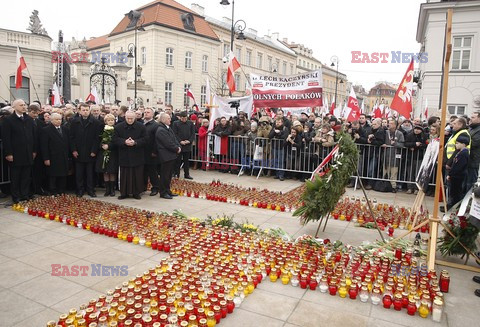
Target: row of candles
{"points": [[213, 268]]}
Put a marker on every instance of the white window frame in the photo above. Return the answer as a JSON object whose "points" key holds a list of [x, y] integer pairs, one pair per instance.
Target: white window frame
{"points": [[168, 92], [226, 49], [461, 52], [455, 108], [238, 54], [144, 55], [248, 58], [204, 63], [188, 59], [186, 99], [237, 82], [259, 60], [203, 95], [169, 57]]}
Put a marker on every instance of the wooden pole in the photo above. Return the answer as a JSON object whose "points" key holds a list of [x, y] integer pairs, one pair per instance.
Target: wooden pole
{"points": [[432, 244]]}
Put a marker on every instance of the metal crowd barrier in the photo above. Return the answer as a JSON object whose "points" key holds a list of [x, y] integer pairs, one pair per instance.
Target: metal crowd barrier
{"points": [[256, 154]]}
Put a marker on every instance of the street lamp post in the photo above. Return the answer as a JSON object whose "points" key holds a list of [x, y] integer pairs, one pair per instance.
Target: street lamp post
{"points": [[132, 53], [237, 26], [335, 62]]}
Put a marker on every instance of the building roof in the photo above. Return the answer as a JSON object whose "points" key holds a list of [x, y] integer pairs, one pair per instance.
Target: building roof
{"points": [[98, 42], [272, 42], [300, 47], [168, 13]]}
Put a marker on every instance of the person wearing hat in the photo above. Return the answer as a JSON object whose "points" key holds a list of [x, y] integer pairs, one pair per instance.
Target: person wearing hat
{"points": [[415, 142], [458, 172], [184, 129]]}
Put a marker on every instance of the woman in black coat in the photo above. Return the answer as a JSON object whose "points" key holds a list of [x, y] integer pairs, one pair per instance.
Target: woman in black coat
{"points": [[56, 153], [109, 166]]}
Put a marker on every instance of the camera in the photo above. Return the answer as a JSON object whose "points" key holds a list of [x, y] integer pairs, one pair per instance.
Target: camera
{"points": [[225, 60], [234, 104]]}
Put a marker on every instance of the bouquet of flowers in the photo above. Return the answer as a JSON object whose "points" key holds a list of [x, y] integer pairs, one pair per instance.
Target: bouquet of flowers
{"points": [[107, 136]]}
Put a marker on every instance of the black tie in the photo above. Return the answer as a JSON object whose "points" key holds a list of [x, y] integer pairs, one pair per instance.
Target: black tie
{"points": [[59, 130]]}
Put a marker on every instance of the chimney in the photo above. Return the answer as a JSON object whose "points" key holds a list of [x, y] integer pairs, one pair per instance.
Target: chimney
{"points": [[285, 40], [267, 37], [252, 31], [275, 36], [198, 9]]}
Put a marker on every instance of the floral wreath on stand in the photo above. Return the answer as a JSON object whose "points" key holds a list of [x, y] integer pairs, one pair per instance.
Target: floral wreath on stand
{"points": [[325, 190]]}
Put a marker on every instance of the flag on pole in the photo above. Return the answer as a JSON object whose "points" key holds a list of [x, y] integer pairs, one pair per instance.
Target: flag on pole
{"points": [[353, 109], [21, 65], [56, 95], [426, 108], [377, 112], [324, 162], [190, 95], [93, 96], [332, 107], [362, 110], [325, 106], [402, 102], [233, 65]]}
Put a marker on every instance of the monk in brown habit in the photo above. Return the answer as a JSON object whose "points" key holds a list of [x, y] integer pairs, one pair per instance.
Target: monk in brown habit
{"points": [[130, 137]]}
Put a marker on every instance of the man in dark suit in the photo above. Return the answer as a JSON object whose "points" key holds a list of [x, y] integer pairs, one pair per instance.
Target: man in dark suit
{"points": [[130, 138], [150, 169], [168, 148], [85, 141], [20, 148], [185, 132], [55, 150]]}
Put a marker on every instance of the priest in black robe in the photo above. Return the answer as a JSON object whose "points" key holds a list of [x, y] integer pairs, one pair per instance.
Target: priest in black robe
{"points": [[130, 138]]}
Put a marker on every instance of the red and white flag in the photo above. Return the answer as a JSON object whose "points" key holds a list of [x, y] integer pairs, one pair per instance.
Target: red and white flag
{"points": [[233, 65], [426, 109], [402, 102], [377, 112], [93, 96], [21, 65], [353, 109], [325, 161], [332, 107], [57, 101], [190, 95]]}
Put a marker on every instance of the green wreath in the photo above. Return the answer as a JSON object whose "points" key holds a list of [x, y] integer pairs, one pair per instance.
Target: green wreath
{"points": [[322, 194]]}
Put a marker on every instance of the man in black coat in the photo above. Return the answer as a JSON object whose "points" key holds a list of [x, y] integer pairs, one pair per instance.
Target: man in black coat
{"points": [[168, 149], [376, 138], [416, 142], [185, 132], [151, 159], [19, 148], [130, 137], [474, 162], [85, 142], [55, 150]]}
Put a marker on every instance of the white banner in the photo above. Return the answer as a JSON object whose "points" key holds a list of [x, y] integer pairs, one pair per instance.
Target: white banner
{"points": [[301, 90], [224, 108], [297, 111]]}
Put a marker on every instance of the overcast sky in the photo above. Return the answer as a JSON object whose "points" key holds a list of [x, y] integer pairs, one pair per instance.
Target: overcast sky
{"points": [[328, 28]]}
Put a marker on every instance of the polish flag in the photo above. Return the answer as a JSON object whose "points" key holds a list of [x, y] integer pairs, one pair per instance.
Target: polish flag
{"points": [[332, 108], [190, 95], [352, 104], [377, 112], [426, 109], [56, 95], [233, 65], [93, 96], [21, 65], [402, 102]]}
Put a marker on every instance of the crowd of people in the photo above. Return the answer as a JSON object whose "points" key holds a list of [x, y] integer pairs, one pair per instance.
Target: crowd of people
{"points": [[83, 146]]}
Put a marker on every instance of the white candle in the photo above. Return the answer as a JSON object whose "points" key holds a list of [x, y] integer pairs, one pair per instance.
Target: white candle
{"points": [[437, 315]]}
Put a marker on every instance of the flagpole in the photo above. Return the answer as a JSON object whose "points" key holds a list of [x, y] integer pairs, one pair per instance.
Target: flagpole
{"points": [[31, 79], [14, 98]]}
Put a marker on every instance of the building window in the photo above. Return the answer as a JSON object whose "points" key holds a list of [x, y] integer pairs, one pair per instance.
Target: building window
{"points": [[238, 54], [259, 60], [186, 99], [168, 92], [462, 47], [169, 57], [226, 49], [21, 93], [144, 56], [291, 69], [237, 82], [299, 62], [205, 63], [269, 64], [203, 95], [457, 109], [188, 60], [249, 58], [284, 68]]}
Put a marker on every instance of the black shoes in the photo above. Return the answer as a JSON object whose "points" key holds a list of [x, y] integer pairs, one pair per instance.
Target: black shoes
{"points": [[121, 197], [477, 292], [188, 177], [282, 178], [153, 193], [476, 279], [92, 194], [166, 196], [137, 196], [171, 194]]}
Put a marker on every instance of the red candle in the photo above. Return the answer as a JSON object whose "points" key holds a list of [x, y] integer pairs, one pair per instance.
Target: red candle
{"points": [[353, 292], [387, 301], [313, 284], [444, 283], [398, 253], [332, 289], [397, 302], [411, 308]]}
